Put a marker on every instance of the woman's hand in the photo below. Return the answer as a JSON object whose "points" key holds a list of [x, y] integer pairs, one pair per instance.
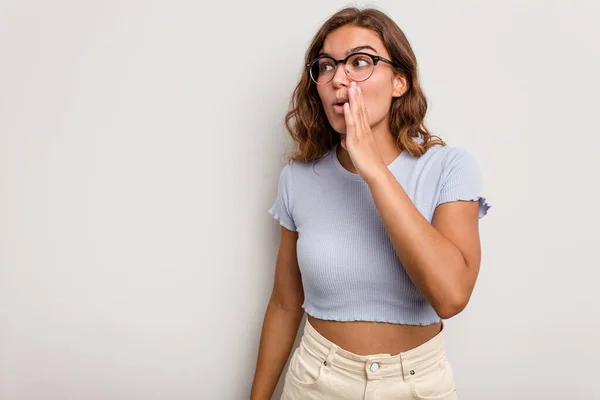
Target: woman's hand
{"points": [[359, 141]]}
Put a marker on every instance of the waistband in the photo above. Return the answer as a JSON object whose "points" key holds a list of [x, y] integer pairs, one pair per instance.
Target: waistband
{"points": [[375, 366]]}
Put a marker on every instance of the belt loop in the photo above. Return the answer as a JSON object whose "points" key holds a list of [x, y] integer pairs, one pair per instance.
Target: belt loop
{"points": [[327, 362], [406, 375]]}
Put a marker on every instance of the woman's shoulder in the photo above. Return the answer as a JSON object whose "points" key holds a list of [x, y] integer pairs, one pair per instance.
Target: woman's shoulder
{"points": [[298, 166], [446, 155], [292, 171]]}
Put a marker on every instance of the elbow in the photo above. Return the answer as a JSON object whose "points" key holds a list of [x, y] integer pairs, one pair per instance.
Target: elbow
{"points": [[451, 306], [448, 311], [289, 303]]}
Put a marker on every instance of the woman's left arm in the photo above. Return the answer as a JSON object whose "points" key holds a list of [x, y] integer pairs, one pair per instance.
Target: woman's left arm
{"points": [[442, 257]]}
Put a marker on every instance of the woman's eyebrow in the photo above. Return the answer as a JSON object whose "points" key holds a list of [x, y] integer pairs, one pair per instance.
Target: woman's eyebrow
{"points": [[352, 50]]}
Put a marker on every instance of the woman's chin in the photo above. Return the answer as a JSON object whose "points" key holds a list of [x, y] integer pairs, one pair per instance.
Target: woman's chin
{"points": [[338, 124], [339, 128]]}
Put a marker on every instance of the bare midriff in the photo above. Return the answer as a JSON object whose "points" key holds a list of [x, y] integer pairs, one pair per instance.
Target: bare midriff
{"points": [[366, 338]]}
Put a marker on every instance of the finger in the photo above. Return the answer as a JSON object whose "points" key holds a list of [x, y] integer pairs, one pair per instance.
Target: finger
{"points": [[364, 123], [350, 121], [354, 102], [355, 110]]}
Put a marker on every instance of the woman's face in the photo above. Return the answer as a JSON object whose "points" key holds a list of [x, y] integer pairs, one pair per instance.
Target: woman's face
{"points": [[377, 91]]}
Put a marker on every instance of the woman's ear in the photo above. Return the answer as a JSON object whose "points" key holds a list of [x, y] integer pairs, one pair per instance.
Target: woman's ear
{"points": [[400, 84]]}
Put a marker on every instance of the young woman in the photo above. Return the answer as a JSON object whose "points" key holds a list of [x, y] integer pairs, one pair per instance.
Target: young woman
{"points": [[379, 236]]}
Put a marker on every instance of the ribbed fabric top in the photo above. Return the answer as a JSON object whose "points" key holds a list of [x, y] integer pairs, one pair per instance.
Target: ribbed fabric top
{"points": [[350, 271]]}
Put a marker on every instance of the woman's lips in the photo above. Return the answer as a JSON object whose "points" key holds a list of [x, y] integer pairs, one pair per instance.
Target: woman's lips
{"points": [[338, 109], [338, 104]]}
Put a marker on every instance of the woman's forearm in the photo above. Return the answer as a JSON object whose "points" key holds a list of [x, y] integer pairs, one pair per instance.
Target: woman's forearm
{"points": [[279, 331], [434, 264]]}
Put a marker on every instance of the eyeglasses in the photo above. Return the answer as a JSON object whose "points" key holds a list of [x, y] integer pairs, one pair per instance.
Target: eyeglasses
{"points": [[358, 67]]}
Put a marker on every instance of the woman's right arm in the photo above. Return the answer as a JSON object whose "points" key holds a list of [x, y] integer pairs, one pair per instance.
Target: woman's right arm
{"points": [[282, 319]]}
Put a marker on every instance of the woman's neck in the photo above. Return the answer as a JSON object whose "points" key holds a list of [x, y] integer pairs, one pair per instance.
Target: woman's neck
{"points": [[386, 144]]}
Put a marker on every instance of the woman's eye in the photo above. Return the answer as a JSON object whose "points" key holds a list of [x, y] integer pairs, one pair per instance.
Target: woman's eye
{"points": [[361, 62], [326, 67]]}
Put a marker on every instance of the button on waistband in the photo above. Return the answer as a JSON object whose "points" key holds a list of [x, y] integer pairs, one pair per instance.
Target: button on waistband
{"points": [[374, 367]]}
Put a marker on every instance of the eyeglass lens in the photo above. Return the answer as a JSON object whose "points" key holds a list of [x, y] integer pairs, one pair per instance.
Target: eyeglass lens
{"points": [[359, 67]]}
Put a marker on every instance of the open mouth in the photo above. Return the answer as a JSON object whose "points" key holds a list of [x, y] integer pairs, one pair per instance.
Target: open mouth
{"points": [[338, 106]]}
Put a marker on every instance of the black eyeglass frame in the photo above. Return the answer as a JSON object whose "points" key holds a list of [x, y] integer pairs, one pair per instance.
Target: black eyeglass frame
{"points": [[375, 59]]}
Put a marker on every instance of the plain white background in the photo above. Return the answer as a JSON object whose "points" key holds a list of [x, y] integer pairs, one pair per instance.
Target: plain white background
{"points": [[140, 146]]}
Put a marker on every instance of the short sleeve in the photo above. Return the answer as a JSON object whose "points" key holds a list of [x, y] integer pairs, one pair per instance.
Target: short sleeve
{"points": [[281, 208], [461, 180]]}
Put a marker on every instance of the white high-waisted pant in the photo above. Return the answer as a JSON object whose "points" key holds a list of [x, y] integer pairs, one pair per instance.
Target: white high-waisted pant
{"points": [[319, 369]]}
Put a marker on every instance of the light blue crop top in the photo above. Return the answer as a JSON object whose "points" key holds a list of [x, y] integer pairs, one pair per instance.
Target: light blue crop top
{"points": [[349, 268]]}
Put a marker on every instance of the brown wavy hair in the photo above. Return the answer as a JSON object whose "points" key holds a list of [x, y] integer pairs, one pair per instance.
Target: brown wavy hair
{"points": [[306, 120]]}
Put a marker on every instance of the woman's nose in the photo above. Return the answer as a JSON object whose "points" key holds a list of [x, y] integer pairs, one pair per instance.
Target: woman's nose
{"points": [[340, 77]]}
